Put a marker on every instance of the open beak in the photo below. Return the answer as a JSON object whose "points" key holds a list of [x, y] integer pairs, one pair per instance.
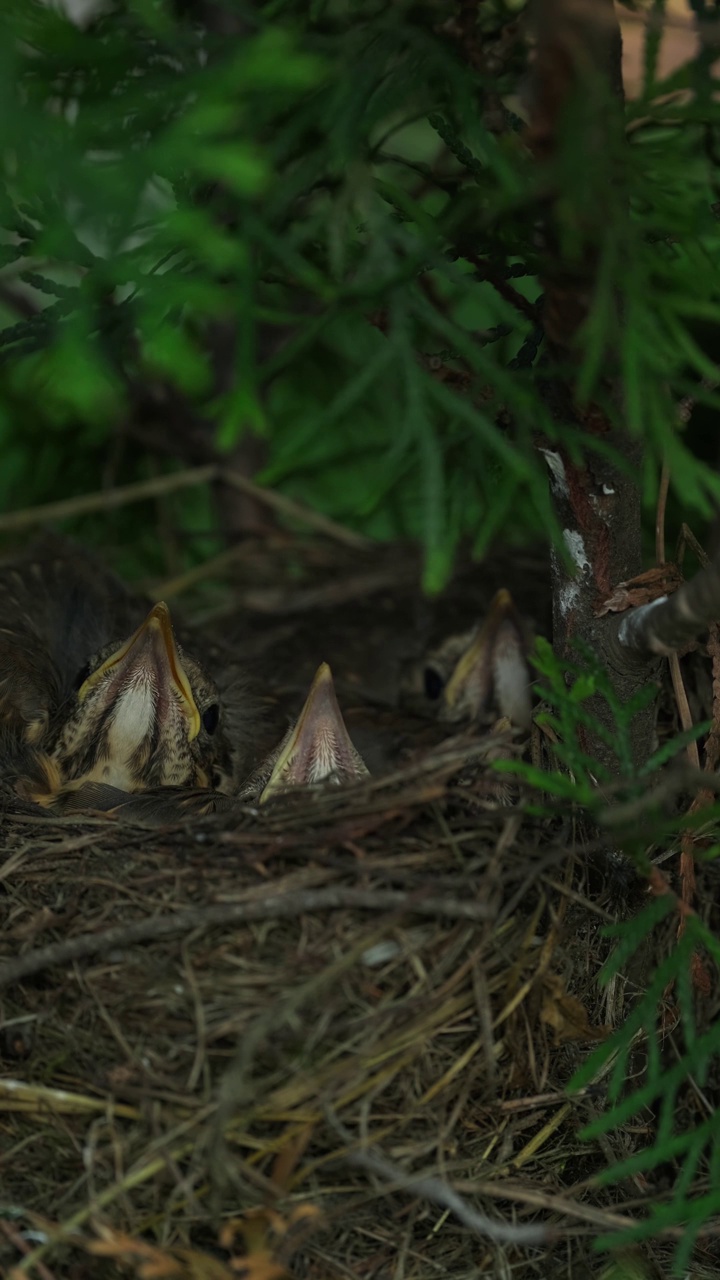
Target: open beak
{"points": [[151, 649], [493, 668], [319, 748]]}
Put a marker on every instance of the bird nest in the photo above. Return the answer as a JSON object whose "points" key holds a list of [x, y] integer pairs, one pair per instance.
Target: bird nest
{"points": [[327, 1039]]}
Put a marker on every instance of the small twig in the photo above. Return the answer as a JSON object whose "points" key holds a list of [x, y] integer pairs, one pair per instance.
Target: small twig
{"points": [[687, 539], [674, 783], [539, 1100], [277, 601], [212, 568], [438, 1192], [294, 510], [108, 499], [485, 271], [703, 798], [281, 906], [712, 743], [660, 514], [683, 706], [105, 499], [687, 839], [678, 683], [538, 1198]]}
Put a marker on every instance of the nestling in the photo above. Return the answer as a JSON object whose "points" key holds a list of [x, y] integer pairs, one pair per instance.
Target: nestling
{"points": [[481, 674], [88, 696], [317, 749]]}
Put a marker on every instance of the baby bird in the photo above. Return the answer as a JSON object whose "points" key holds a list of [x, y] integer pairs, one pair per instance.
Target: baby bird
{"points": [[317, 749], [145, 715], [91, 699], [480, 675]]}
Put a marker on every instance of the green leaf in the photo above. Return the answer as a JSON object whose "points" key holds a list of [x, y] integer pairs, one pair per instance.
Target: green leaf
{"points": [[239, 411], [170, 352], [243, 169]]}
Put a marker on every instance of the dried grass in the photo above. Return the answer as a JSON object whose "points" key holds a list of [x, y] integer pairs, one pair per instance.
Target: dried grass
{"points": [[265, 1093], [330, 1039]]}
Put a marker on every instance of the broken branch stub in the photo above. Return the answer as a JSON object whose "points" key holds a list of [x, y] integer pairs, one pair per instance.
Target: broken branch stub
{"points": [[665, 625]]}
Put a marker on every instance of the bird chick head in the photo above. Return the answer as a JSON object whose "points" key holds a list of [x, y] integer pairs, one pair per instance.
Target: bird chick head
{"points": [[474, 676], [144, 715], [317, 749]]}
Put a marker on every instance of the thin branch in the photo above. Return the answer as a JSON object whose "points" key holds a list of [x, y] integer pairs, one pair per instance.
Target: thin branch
{"points": [[675, 782], [277, 907], [678, 683], [486, 271], [105, 499], [438, 1192], [213, 568], [109, 499], [277, 601], [294, 510], [660, 514]]}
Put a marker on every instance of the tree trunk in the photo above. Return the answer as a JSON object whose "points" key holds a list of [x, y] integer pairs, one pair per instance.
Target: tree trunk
{"points": [[579, 63]]}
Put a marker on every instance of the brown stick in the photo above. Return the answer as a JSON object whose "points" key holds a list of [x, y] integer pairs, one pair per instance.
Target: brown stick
{"points": [[660, 514], [109, 499], [295, 510], [105, 499], [678, 683], [438, 1192], [281, 906]]}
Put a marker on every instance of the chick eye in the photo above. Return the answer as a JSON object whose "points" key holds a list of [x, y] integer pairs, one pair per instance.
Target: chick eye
{"points": [[434, 684], [81, 677], [211, 716]]}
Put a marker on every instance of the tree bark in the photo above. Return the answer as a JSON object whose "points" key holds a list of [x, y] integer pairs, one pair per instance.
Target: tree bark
{"points": [[578, 68]]}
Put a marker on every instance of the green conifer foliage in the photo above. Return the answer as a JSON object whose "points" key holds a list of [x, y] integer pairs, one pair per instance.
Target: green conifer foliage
{"points": [[348, 191]]}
